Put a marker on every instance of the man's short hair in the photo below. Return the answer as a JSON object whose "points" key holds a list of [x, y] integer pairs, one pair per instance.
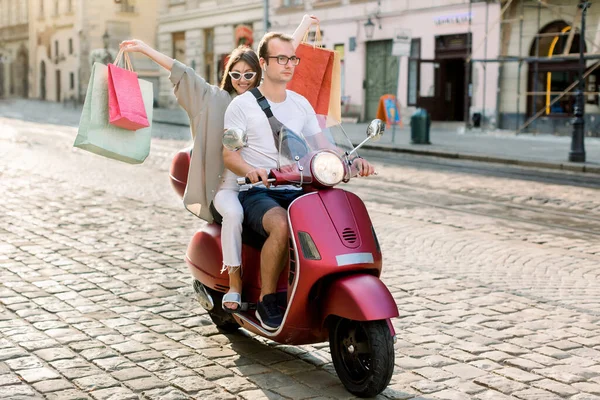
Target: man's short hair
{"points": [[263, 45]]}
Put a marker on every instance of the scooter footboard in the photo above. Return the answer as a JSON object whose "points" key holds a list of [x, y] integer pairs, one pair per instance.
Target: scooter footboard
{"points": [[360, 298]]}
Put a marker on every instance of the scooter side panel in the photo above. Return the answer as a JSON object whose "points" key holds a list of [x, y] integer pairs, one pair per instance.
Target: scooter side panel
{"points": [[204, 258], [359, 298], [178, 172], [311, 214], [361, 216], [337, 204]]}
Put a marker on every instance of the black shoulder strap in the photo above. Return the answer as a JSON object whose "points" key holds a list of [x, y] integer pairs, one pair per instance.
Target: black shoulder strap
{"points": [[273, 122], [262, 102]]}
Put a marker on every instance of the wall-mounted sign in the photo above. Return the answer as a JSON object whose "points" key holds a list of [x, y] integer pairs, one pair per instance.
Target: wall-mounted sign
{"points": [[453, 19], [389, 110], [352, 43], [244, 35], [401, 45]]}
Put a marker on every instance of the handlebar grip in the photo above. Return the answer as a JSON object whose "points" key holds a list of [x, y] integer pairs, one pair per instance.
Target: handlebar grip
{"points": [[246, 181]]}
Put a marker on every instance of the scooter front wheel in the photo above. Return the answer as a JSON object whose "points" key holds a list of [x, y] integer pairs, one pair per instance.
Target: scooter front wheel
{"points": [[363, 355]]}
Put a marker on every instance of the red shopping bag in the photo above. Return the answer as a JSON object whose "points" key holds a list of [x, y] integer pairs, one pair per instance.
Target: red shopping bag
{"points": [[312, 77], [125, 103]]}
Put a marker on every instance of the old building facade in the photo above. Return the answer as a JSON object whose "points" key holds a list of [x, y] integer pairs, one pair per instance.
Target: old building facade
{"points": [[435, 36], [14, 52], [67, 36], [413, 50], [201, 33], [530, 86]]}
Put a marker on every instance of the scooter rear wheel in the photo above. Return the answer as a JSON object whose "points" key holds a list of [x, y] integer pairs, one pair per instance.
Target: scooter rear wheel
{"points": [[363, 355]]}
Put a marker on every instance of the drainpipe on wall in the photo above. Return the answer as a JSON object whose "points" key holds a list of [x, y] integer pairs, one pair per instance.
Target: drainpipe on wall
{"points": [[364, 82], [468, 72], [266, 23]]}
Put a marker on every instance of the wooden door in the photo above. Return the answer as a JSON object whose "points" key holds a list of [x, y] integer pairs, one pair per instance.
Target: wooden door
{"points": [[429, 93], [381, 75]]}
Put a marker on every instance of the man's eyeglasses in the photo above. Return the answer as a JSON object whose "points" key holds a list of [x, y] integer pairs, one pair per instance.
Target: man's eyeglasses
{"points": [[283, 60], [236, 76]]}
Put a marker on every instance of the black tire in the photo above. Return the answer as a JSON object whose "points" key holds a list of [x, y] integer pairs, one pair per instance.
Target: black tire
{"points": [[363, 355], [220, 318], [223, 323]]}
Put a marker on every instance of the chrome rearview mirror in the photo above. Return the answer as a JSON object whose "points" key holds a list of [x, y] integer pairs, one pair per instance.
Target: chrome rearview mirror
{"points": [[374, 132], [375, 129], [234, 139]]}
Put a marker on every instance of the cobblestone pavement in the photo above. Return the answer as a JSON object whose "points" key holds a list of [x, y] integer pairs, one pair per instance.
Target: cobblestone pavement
{"points": [[495, 276]]}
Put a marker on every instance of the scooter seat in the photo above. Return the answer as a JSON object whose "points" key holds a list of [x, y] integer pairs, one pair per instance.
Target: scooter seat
{"points": [[249, 236]]}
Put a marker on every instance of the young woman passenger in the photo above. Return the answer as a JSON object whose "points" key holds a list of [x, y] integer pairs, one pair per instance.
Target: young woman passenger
{"points": [[205, 105]]}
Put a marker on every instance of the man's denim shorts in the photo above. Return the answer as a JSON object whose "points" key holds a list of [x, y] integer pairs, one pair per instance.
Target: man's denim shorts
{"points": [[257, 201]]}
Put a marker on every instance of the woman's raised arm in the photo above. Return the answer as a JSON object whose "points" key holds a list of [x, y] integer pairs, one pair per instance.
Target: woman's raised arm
{"points": [[137, 46], [307, 21]]}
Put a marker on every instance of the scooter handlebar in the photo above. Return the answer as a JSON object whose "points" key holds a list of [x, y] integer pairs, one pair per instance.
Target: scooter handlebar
{"points": [[246, 181]]}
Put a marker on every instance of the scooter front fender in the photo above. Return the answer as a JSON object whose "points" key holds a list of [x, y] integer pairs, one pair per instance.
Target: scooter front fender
{"points": [[359, 297]]}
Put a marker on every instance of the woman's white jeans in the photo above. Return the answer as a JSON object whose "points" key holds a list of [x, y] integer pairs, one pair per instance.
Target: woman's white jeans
{"points": [[228, 205]]}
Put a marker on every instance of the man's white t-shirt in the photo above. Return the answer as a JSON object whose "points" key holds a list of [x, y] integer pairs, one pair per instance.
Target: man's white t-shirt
{"points": [[295, 112]]}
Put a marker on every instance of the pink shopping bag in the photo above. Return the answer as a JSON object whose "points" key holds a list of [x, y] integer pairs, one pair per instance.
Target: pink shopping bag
{"points": [[125, 103]]}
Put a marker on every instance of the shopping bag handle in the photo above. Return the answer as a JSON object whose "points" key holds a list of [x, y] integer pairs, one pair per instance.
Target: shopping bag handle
{"points": [[127, 61], [318, 40]]}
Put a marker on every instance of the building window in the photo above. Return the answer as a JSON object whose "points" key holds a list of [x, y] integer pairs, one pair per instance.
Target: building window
{"points": [[340, 48], [70, 46], [56, 49], [72, 81], [69, 6], [178, 39], [413, 71], [55, 8], [548, 80], [209, 54], [41, 8], [292, 3], [127, 6]]}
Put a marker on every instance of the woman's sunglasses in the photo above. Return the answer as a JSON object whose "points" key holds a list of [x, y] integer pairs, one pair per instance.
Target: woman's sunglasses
{"points": [[236, 76]]}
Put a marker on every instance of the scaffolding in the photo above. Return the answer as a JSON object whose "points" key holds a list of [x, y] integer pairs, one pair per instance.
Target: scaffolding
{"points": [[513, 16]]}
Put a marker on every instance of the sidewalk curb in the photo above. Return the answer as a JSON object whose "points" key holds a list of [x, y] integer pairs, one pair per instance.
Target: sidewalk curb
{"points": [[572, 167]]}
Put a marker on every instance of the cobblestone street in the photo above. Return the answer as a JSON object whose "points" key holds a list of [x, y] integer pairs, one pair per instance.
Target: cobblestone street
{"points": [[495, 270]]}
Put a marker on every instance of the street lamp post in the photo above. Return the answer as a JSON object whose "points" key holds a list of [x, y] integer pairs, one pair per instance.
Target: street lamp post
{"points": [[577, 153], [266, 10], [107, 56], [369, 29]]}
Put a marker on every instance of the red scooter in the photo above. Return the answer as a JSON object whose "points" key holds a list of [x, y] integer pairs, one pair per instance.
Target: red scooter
{"points": [[330, 289]]}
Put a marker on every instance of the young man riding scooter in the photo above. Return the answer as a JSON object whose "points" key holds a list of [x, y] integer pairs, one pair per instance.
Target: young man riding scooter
{"points": [[264, 206]]}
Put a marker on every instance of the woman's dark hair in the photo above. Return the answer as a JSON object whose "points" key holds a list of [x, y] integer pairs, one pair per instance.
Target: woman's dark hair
{"points": [[242, 53]]}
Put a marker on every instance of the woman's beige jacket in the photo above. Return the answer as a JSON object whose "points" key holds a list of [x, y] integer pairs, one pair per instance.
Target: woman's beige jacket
{"points": [[205, 105]]}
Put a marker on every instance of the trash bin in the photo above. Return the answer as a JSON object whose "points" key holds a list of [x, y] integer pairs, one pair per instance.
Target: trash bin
{"points": [[476, 120], [420, 123]]}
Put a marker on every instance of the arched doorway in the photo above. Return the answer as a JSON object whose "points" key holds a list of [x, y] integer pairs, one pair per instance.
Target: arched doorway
{"points": [[547, 80], [21, 71], [43, 80]]}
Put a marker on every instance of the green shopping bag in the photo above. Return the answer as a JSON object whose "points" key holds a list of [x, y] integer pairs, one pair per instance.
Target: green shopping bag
{"points": [[98, 136]]}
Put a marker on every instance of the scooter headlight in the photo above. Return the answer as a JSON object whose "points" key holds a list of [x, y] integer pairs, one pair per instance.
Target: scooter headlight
{"points": [[327, 168]]}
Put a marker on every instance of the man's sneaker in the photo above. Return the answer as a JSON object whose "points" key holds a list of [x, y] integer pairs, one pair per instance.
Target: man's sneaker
{"points": [[268, 312]]}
